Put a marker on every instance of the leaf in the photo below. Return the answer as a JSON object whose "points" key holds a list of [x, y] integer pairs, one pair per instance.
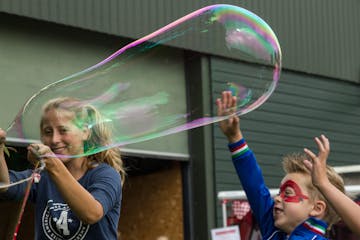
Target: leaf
{"points": [[6, 150]]}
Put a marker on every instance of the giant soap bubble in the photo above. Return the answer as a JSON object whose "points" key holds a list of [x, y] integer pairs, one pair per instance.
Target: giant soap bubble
{"points": [[136, 106]]}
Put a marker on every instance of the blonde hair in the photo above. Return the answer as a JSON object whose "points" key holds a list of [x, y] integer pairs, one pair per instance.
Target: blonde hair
{"points": [[86, 115], [294, 163]]}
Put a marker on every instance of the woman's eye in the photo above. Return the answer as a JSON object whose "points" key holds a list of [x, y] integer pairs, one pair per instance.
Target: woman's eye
{"points": [[62, 131], [47, 132]]}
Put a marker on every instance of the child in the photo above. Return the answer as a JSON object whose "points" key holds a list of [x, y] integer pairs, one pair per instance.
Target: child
{"points": [[347, 209], [299, 211], [77, 197]]}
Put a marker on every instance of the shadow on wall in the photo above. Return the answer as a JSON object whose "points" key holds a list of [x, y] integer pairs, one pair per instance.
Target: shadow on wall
{"points": [[8, 219]]}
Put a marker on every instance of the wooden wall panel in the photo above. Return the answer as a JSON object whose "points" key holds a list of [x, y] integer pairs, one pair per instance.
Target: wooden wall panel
{"points": [[152, 206]]}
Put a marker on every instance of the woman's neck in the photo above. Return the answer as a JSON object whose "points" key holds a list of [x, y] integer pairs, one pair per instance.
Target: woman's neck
{"points": [[77, 167]]}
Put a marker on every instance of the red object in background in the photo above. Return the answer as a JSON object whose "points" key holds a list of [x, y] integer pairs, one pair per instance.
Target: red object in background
{"points": [[242, 216], [240, 208], [232, 220]]}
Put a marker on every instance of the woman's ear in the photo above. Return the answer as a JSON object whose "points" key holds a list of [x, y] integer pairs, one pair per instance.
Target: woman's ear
{"points": [[319, 209], [86, 133]]}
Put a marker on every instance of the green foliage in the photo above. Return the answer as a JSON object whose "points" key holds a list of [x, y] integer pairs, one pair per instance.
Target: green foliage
{"points": [[6, 150]]}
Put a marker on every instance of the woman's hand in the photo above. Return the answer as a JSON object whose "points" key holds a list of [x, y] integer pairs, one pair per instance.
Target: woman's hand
{"points": [[4, 175], [2, 137], [37, 152]]}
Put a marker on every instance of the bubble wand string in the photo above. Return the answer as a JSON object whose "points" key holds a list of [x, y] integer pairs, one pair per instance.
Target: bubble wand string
{"points": [[36, 171]]}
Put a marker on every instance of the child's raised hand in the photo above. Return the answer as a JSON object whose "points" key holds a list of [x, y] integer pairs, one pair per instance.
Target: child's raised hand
{"points": [[226, 106], [317, 163]]}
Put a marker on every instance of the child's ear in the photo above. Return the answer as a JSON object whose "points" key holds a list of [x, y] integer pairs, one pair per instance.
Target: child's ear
{"points": [[319, 209]]}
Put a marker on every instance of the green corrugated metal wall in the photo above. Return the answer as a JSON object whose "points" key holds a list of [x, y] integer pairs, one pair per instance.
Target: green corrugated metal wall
{"points": [[318, 37], [34, 54], [301, 108]]}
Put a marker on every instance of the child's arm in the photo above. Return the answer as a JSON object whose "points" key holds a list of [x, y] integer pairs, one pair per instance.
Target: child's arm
{"points": [[245, 165], [4, 174], [347, 209]]}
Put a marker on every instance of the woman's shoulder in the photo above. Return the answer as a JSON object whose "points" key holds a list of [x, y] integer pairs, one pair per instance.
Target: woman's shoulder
{"points": [[101, 174], [103, 169]]}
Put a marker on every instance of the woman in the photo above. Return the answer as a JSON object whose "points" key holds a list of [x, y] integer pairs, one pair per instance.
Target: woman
{"points": [[78, 195]]}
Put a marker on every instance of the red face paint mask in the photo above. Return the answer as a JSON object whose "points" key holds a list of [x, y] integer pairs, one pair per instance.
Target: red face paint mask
{"points": [[298, 197]]}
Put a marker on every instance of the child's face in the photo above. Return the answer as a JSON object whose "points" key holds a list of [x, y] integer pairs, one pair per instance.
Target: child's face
{"points": [[60, 133], [293, 204]]}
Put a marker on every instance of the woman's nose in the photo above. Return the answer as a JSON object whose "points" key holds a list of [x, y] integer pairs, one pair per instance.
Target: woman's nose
{"points": [[55, 137]]}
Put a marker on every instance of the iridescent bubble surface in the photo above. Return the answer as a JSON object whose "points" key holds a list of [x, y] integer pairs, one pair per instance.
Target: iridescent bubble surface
{"points": [[136, 106]]}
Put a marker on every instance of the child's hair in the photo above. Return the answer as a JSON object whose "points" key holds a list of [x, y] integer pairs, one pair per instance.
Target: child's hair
{"points": [[86, 115], [294, 163]]}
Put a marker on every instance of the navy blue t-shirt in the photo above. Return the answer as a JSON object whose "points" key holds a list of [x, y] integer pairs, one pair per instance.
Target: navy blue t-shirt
{"points": [[53, 217]]}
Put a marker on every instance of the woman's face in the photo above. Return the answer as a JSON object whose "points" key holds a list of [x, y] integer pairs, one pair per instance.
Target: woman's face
{"points": [[59, 132]]}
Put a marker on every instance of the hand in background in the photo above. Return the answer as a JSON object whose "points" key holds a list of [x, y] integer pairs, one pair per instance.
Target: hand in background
{"points": [[317, 163]]}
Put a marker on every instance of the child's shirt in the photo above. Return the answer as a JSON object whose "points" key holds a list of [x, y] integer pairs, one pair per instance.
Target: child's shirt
{"points": [[261, 201], [53, 217]]}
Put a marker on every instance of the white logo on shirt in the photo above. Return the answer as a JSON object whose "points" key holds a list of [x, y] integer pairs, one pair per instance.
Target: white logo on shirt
{"points": [[59, 223]]}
